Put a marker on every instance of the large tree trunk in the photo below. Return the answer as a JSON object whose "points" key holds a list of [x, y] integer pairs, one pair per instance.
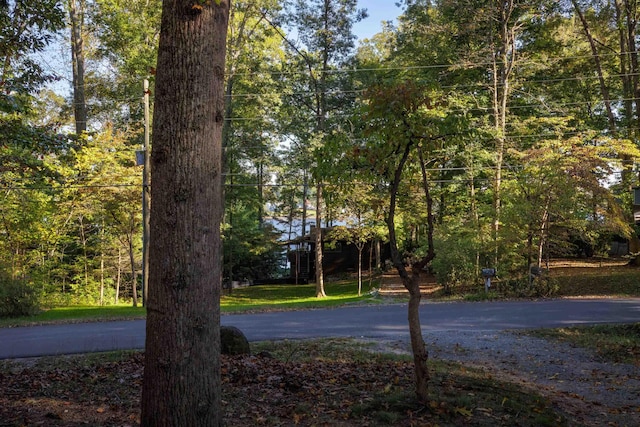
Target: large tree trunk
{"points": [[181, 385]]}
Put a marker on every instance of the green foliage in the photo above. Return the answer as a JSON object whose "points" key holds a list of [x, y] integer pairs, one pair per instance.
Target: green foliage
{"points": [[313, 113], [25, 27], [481, 295], [126, 36], [543, 286], [251, 246], [455, 264], [18, 297]]}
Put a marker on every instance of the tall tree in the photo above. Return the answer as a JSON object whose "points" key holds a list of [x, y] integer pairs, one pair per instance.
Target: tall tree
{"points": [[26, 28], [405, 122], [325, 29], [76, 21], [126, 37], [612, 26], [181, 383], [254, 52]]}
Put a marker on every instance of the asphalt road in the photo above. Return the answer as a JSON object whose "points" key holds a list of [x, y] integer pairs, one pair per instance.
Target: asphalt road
{"points": [[387, 321]]}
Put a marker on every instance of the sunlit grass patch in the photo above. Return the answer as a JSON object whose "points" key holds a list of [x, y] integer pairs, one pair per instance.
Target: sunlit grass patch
{"points": [[79, 314], [275, 297], [621, 281]]}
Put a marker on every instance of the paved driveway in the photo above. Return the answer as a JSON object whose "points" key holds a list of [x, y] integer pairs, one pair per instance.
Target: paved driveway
{"points": [[385, 321]]}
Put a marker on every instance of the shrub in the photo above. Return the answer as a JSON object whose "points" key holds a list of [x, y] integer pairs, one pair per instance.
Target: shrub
{"points": [[17, 297], [539, 287], [454, 264]]}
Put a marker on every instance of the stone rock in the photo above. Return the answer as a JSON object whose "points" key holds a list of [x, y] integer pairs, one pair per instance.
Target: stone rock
{"points": [[233, 341]]}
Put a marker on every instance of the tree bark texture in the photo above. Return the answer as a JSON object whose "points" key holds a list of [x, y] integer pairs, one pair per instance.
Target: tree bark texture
{"points": [[418, 346], [181, 385]]}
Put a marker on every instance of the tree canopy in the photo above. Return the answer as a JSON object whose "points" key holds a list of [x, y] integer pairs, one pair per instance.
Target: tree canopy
{"points": [[519, 119]]}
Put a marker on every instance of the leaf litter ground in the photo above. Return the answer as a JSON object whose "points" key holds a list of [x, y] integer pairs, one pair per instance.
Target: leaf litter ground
{"points": [[307, 383]]}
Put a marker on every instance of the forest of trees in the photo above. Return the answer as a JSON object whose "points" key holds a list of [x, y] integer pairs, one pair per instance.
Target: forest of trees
{"points": [[481, 134]]}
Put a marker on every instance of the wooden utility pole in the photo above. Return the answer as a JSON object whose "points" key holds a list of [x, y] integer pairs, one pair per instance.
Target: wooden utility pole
{"points": [[146, 197]]}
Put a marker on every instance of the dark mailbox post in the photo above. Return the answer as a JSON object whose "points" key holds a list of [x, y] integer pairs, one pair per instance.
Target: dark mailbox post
{"points": [[488, 273]]}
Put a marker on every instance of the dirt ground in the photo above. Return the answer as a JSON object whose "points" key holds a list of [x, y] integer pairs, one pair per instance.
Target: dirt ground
{"points": [[576, 388]]}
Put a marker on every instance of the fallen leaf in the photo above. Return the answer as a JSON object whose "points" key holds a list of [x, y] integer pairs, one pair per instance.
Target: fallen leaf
{"points": [[463, 411]]}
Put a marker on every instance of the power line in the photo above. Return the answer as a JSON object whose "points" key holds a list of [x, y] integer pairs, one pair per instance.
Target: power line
{"points": [[473, 86], [463, 65]]}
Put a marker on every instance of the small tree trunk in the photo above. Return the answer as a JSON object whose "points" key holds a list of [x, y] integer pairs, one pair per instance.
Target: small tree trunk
{"points": [[102, 278], [119, 275], [418, 346], [544, 226], [360, 249], [319, 273], [370, 264], [83, 239], [134, 275], [412, 284]]}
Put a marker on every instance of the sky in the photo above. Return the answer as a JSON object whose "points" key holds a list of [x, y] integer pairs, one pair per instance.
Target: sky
{"points": [[57, 59], [379, 10]]}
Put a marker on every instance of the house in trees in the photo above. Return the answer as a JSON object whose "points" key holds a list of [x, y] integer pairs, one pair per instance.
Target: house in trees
{"points": [[339, 256]]}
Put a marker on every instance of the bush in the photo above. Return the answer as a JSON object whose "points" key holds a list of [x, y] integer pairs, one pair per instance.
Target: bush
{"points": [[539, 287], [17, 297], [482, 296], [454, 264]]}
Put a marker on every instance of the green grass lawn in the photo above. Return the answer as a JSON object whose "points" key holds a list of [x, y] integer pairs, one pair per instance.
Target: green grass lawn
{"points": [[254, 298], [78, 314], [289, 297], [620, 281]]}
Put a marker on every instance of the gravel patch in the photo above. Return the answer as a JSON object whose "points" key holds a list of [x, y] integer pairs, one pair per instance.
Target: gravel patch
{"points": [[589, 390]]}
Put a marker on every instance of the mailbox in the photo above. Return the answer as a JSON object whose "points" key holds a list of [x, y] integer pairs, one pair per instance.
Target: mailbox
{"points": [[488, 272], [536, 271], [140, 157]]}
